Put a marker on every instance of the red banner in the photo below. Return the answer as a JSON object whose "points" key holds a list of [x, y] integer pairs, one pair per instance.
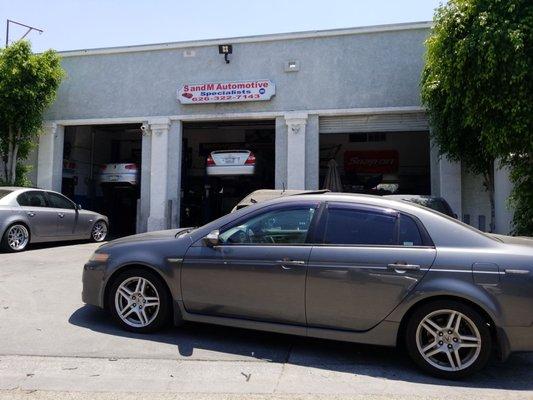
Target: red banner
{"points": [[371, 161]]}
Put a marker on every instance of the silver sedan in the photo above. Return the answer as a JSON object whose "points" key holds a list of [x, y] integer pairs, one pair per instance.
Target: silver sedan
{"points": [[32, 215]]}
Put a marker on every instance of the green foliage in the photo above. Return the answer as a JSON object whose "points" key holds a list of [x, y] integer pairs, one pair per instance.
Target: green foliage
{"points": [[477, 86], [28, 85]]}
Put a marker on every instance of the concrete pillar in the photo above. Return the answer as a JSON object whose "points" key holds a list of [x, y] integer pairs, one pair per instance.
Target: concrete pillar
{"points": [[502, 191], [174, 171], [144, 205], [281, 154], [158, 218], [434, 167], [450, 184], [50, 157], [312, 143], [296, 127]]}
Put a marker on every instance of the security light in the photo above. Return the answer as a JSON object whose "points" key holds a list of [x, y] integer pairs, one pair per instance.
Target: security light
{"points": [[225, 49]]}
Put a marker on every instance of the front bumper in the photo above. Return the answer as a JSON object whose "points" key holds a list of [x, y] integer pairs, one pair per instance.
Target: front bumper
{"points": [[93, 284]]}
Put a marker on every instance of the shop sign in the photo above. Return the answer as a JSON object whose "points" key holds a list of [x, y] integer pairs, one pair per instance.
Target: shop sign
{"points": [[226, 92], [371, 161]]}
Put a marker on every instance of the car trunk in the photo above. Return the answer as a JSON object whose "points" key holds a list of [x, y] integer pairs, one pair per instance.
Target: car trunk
{"points": [[230, 157]]}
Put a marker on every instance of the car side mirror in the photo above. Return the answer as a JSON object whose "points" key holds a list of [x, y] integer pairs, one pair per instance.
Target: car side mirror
{"points": [[78, 207], [212, 239]]}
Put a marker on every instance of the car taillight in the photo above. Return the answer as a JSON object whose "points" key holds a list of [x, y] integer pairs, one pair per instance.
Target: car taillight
{"points": [[103, 167], [210, 161], [250, 159], [130, 166]]}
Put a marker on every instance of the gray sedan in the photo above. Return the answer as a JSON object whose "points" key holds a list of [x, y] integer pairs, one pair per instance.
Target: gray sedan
{"points": [[346, 267], [33, 215]]}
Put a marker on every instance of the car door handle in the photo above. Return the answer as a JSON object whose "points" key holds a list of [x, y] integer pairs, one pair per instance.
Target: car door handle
{"points": [[60, 215], [288, 264], [31, 214], [404, 267]]}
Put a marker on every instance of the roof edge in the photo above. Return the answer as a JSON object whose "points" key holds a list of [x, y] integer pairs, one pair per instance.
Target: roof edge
{"points": [[249, 39]]}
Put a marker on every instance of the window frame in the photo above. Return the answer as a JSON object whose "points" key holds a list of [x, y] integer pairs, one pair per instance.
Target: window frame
{"points": [[48, 195], [277, 207], [321, 225]]}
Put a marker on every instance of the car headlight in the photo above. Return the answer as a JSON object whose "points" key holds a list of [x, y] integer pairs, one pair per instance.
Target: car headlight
{"points": [[99, 257]]}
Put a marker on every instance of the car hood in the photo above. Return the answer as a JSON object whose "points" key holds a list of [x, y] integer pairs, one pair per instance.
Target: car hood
{"points": [[148, 236]]}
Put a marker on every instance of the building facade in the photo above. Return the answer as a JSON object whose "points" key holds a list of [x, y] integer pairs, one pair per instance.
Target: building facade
{"points": [[350, 95]]}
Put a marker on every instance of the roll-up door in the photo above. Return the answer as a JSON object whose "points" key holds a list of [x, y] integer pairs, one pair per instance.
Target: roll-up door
{"points": [[375, 123]]}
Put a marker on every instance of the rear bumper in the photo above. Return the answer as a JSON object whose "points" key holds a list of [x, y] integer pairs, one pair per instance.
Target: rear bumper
{"points": [[131, 178], [231, 170], [518, 338]]}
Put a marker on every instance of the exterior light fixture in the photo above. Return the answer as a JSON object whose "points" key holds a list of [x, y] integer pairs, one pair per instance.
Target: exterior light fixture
{"points": [[225, 49], [292, 66]]}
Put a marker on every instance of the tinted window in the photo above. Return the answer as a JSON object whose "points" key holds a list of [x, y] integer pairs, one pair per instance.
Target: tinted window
{"points": [[352, 226], [274, 227], [4, 192], [33, 198], [58, 201], [409, 232]]}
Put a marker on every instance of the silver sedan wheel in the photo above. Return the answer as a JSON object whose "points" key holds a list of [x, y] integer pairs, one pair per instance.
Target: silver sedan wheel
{"points": [[99, 231], [18, 237], [448, 340], [137, 302]]}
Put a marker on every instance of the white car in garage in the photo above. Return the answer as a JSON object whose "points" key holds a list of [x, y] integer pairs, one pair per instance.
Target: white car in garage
{"points": [[231, 162], [125, 173]]}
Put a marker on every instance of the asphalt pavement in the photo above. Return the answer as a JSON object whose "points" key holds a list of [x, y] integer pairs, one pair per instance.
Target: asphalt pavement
{"points": [[52, 346]]}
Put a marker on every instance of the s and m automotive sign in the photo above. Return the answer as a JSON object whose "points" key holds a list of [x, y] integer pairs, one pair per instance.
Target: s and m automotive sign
{"points": [[226, 92]]}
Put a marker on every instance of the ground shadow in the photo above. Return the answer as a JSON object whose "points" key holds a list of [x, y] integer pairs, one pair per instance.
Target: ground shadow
{"points": [[374, 361]]}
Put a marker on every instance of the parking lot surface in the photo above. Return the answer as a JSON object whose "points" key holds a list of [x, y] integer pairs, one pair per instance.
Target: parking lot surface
{"points": [[53, 346]]}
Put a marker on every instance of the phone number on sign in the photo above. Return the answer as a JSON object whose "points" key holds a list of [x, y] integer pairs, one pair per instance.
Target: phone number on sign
{"points": [[227, 98]]}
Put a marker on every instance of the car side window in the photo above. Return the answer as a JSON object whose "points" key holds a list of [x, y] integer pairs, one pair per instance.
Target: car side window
{"points": [[409, 232], [58, 201], [285, 226], [351, 226], [32, 198]]}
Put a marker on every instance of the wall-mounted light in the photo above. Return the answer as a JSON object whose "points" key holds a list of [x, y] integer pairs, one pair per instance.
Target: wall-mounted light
{"points": [[292, 66], [225, 49]]}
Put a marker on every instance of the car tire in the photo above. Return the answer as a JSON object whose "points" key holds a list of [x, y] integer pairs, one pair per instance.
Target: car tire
{"points": [[448, 347], [132, 301], [16, 238], [99, 231]]}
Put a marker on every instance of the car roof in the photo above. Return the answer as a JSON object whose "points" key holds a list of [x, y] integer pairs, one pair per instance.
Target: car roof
{"points": [[412, 196], [261, 195]]}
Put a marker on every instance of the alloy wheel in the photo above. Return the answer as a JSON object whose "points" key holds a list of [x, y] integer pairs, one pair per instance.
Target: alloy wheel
{"points": [[448, 340], [18, 237], [99, 232], [137, 302]]}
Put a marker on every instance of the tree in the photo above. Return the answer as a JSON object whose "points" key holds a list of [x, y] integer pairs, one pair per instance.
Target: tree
{"points": [[28, 85], [477, 87]]}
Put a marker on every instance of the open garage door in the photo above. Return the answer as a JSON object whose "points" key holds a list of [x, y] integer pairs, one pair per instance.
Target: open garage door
{"points": [[101, 172], [222, 163], [376, 154]]}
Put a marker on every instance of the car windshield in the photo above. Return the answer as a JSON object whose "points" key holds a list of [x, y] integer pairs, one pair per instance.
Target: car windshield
{"points": [[4, 192], [433, 203]]}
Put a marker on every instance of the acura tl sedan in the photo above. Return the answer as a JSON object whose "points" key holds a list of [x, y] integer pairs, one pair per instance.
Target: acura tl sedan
{"points": [[33, 216], [347, 267]]}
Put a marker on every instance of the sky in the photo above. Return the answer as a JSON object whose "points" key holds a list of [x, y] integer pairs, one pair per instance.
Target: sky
{"points": [[83, 24]]}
